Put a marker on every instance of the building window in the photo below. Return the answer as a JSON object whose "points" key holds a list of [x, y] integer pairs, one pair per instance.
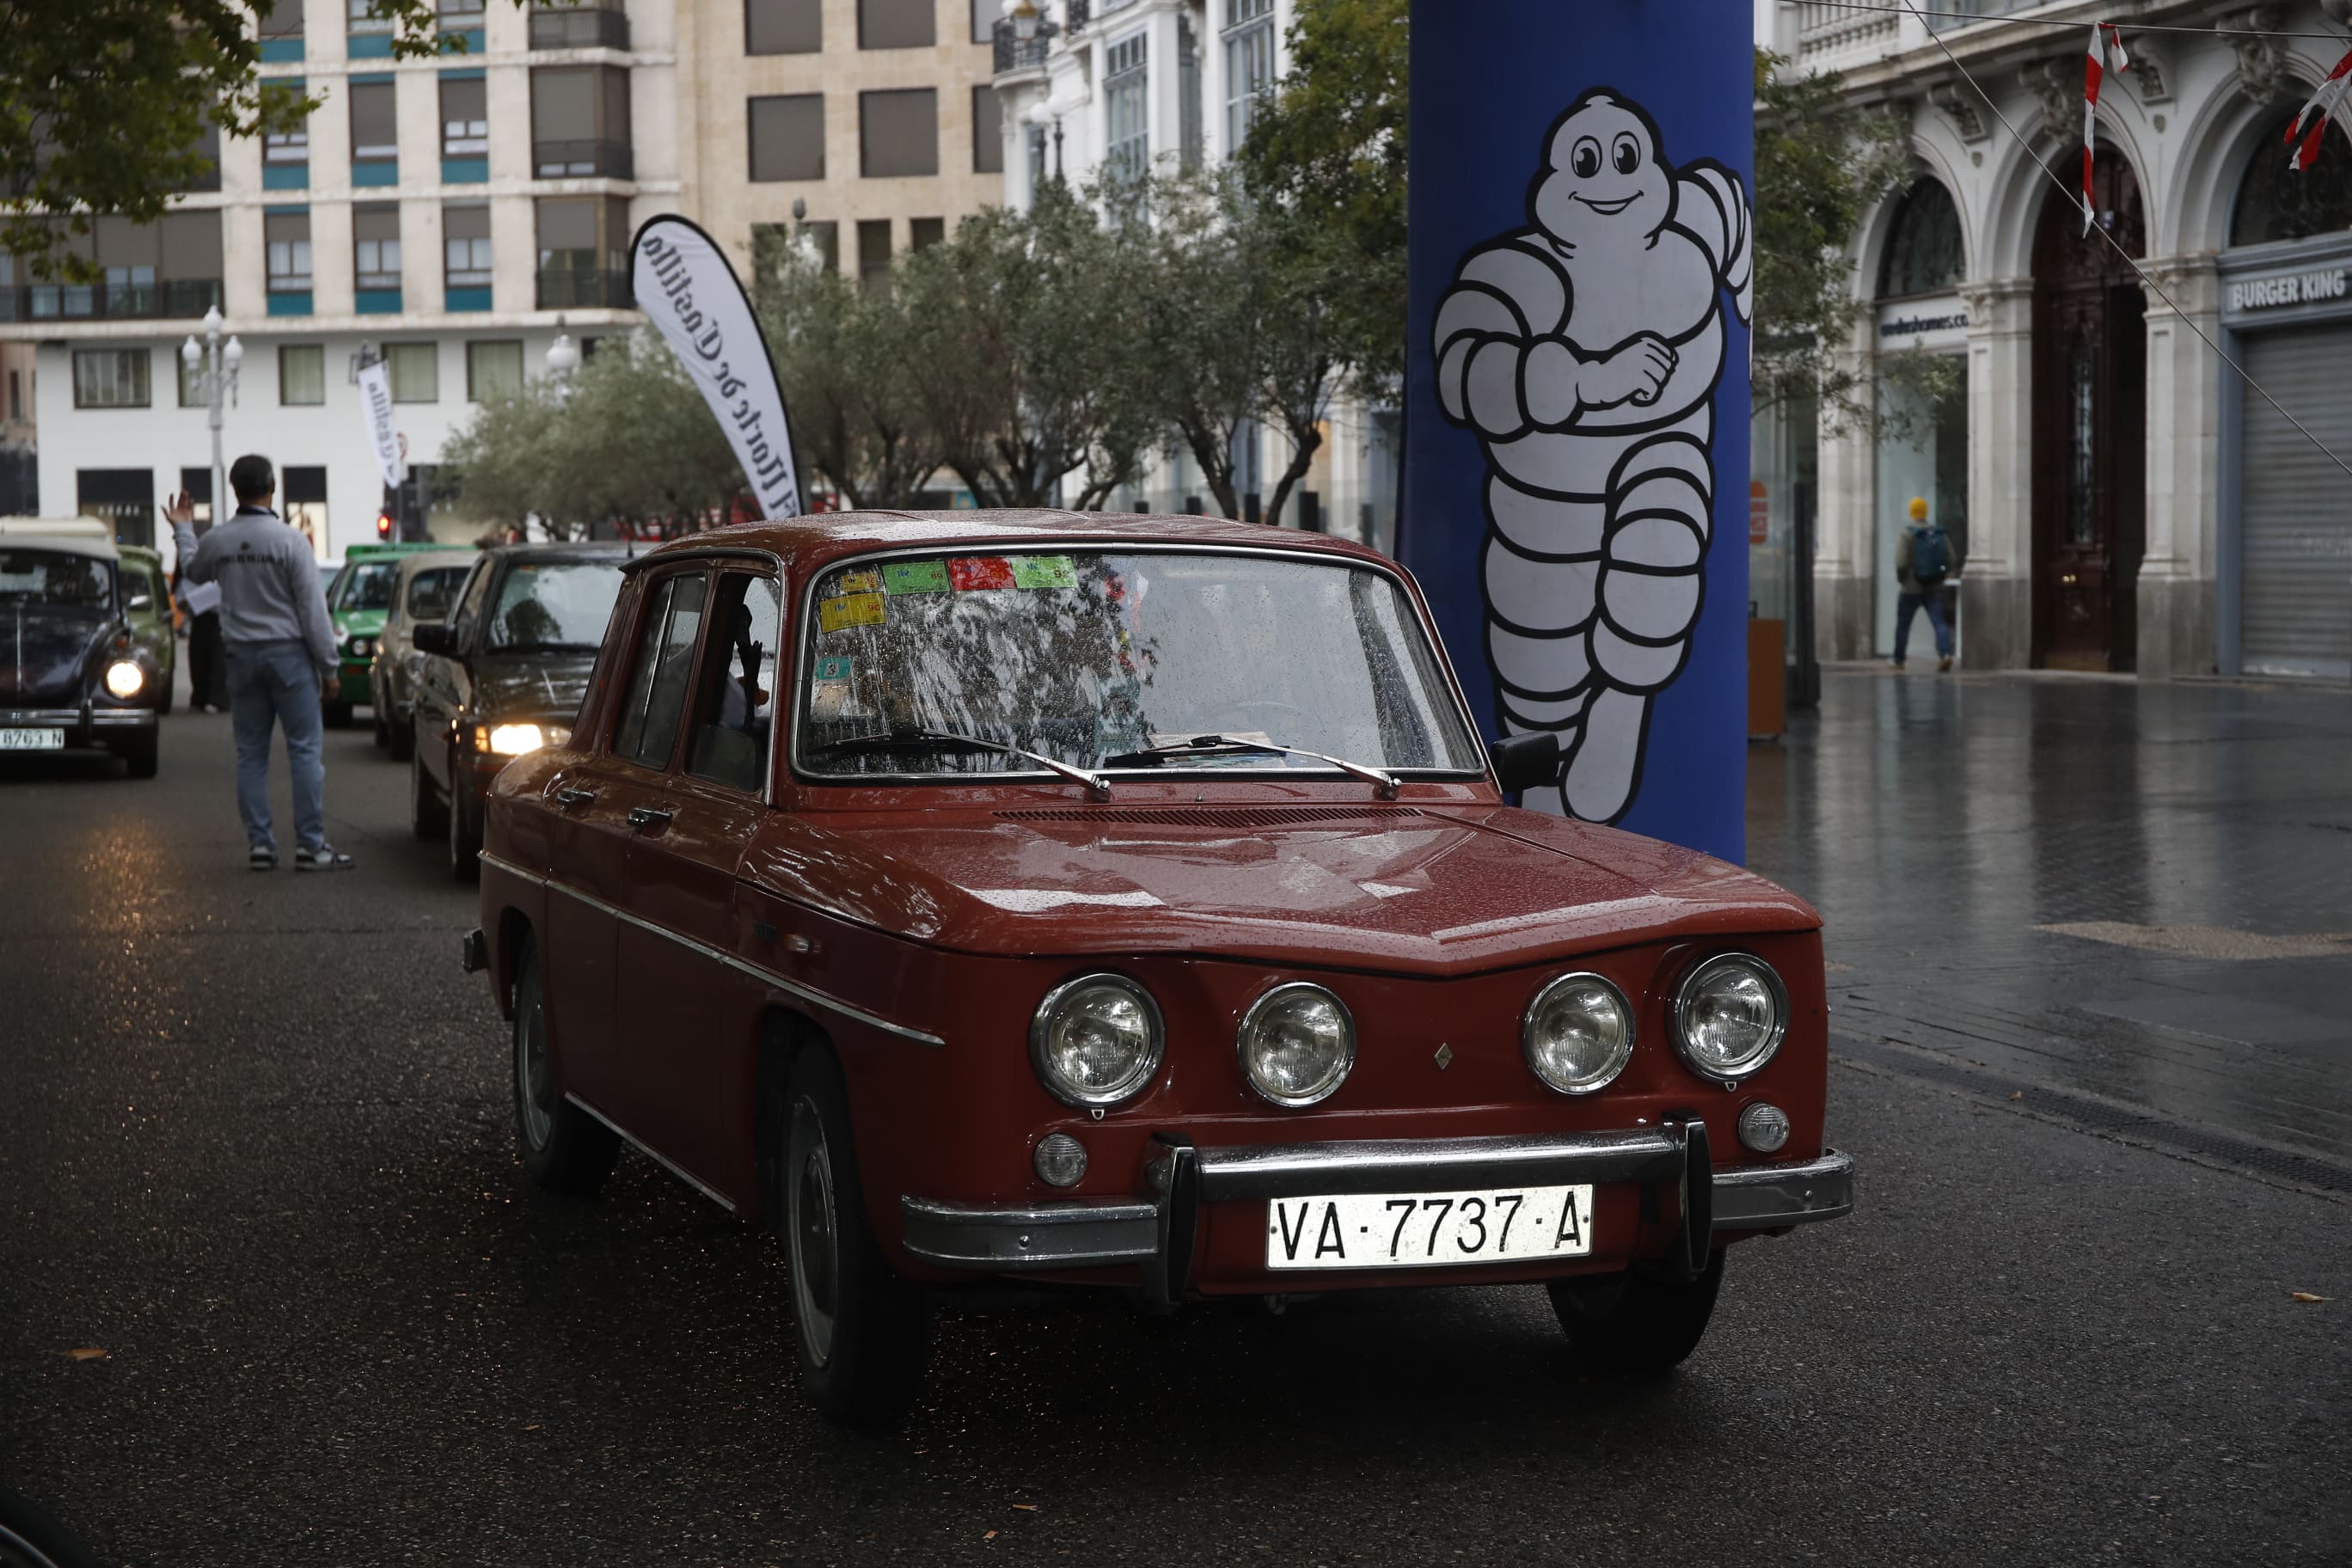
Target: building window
{"points": [[1924, 253], [302, 375], [1188, 95], [206, 147], [457, 13], [375, 246], [375, 123], [984, 14], [360, 20], [898, 132], [416, 372], [492, 370], [874, 253], [286, 148], [283, 20], [465, 245], [2276, 202], [782, 26], [465, 117], [895, 24], [1249, 65], [987, 132], [922, 233], [15, 394], [109, 378], [788, 137], [580, 122], [582, 246], [189, 261], [1127, 110], [286, 237], [303, 504]]}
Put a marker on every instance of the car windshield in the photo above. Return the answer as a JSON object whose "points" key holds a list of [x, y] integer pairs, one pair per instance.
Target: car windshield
{"points": [[1100, 657], [429, 591], [367, 585], [328, 571], [554, 607], [55, 578]]}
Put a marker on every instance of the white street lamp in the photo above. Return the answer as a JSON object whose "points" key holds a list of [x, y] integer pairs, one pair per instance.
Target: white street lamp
{"points": [[1023, 15], [213, 367]]}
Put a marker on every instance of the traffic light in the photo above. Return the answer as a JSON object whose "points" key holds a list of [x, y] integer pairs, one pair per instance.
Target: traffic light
{"points": [[384, 525]]}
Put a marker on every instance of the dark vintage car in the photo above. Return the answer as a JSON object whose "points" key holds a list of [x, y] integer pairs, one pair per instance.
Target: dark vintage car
{"points": [[72, 670], [424, 586], [502, 676], [1127, 902]]}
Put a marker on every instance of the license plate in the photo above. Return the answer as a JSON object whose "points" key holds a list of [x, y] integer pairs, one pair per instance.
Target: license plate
{"points": [[1428, 1230], [32, 739]]}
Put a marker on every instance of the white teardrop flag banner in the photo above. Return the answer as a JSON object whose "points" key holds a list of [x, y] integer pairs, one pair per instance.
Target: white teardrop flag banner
{"points": [[375, 407], [686, 287]]}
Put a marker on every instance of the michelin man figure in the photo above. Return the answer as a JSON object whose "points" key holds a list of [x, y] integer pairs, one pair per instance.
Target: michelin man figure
{"points": [[1584, 351]]}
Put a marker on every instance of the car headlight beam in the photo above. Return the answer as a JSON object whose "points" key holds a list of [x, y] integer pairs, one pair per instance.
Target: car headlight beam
{"points": [[1096, 1040], [1731, 1013], [1578, 1033], [513, 740], [1296, 1044], [124, 679]]}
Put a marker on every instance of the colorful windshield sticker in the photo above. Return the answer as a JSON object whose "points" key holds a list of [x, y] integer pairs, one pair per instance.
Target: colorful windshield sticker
{"points": [[834, 667], [1044, 572], [867, 582], [976, 573], [915, 577], [850, 610]]}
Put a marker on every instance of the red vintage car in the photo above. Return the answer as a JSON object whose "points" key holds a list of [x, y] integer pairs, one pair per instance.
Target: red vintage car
{"points": [[1126, 901]]}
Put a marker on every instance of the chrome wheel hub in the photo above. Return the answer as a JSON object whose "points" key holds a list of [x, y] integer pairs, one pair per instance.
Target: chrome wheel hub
{"points": [[815, 1235], [535, 1077]]}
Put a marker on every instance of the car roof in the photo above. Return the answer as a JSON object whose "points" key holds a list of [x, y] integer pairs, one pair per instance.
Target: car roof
{"points": [[810, 542], [403, 547], [68, 535], [574, 549], [418, 560]]}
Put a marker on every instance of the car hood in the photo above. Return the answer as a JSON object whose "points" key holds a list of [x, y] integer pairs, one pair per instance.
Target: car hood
{"points": [[533, 686], [46, 650], [359, 623], [1435, 890]]}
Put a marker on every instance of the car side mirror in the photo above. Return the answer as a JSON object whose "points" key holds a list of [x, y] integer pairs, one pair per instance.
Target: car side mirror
{"points": [[138, 603], [1525, 761], [433, 636]]}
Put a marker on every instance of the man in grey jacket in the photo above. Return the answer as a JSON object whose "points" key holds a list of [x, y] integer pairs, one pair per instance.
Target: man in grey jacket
{"points": [[281, 652]]}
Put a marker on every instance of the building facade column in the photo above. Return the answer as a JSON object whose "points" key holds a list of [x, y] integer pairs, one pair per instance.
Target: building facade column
{"points": [[1844, 546], [2178, 574], [1997, 583]]}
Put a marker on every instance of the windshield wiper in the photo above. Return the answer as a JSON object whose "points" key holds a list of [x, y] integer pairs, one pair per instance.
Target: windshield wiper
{"points": [[1385, 784], [1097, 786]]}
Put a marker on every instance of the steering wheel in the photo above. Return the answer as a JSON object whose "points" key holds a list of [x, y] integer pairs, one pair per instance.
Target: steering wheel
{"points": [[1280, 732]]}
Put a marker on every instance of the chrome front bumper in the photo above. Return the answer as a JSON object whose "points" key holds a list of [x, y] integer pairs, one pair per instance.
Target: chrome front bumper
{"points": [[1157, 1231], [82, 724]]}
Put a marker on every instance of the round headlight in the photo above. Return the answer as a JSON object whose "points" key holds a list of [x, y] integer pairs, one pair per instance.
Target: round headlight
{"points": [[1296, 1044], [1729, 1015], [1096, 1040], [1579, 1033], [124, 679]]}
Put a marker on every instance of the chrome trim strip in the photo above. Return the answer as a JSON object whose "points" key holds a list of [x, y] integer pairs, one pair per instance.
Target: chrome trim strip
{"points": [[1315, 1170], [1766, 1197], [806, 992], [655, 1155], [71, 718], [1041, 1236]]}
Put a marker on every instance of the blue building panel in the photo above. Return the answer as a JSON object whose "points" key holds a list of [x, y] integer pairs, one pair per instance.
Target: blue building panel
{"points": [[467, 300], [285, 176], [278, 51], [368, 47], [464, 171], [376, 173], [291, 304]]}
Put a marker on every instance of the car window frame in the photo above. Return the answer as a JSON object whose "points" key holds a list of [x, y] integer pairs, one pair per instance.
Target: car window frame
{"points": [[461, 629], [652, 584], [720, 569]]}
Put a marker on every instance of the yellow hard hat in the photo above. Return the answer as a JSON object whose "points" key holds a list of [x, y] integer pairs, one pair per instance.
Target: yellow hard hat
{"points": [[1919, 509]]}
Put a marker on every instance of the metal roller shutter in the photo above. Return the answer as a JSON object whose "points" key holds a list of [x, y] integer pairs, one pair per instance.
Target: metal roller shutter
{"points": [[2295, 509]]}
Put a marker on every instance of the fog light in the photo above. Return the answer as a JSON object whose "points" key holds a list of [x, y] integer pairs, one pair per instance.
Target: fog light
{"points": [[1764, 1128], [124, 679], [1061, 1160]]}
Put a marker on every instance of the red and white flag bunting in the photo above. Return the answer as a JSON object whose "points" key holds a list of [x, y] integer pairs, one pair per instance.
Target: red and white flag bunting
{"points": [[2106, 46], [2303, 143]]}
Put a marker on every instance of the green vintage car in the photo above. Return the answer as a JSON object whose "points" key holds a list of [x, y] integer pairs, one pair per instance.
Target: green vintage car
{"points": [[357, 602], [147, 606]]}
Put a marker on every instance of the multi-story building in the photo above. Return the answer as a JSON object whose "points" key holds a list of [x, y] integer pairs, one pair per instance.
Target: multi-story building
{"points": [[445, 215], [1091, 86], [2129, 498]]}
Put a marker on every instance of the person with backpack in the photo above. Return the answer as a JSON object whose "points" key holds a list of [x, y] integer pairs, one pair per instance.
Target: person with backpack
{"points": [[1926, 557]]}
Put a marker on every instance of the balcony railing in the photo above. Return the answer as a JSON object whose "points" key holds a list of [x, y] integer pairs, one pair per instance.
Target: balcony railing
{"points": [[174, 298], [1014, 54], [1972, 9], [582, 160], [566, 289], [1082, 12], [580, 30]]}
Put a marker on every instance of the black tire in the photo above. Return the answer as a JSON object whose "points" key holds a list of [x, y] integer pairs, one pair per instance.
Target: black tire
{"points": [[428, 814], [564, 1149], [382, 727], [465, 836], [338, 714], [862, 1334], [138, 752], [400, 739], [30, 1537], [1637, 1325]]}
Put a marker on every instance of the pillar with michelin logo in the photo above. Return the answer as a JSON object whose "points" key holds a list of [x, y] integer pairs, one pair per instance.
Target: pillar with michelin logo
{"points": [[1577, 448]]}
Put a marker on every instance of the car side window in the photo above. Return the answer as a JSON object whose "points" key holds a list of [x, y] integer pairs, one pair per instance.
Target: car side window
{"points": [[664, 666], [429, 590], [469, 607], [734, 696]]}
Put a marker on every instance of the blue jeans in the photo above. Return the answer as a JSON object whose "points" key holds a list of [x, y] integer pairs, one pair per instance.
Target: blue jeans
{"points": [[1932, 601], [278, 680]]}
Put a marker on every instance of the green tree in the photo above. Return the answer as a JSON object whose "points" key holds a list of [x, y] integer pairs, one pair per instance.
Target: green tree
{"points": [[103, 106], [1201, 292]]}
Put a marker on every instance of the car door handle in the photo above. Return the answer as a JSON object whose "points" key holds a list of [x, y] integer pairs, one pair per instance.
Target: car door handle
{"points": [[645, 818], [568, 798]]}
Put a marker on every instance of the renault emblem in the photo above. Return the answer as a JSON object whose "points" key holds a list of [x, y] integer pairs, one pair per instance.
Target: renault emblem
{"points": [[1444, 1055]]}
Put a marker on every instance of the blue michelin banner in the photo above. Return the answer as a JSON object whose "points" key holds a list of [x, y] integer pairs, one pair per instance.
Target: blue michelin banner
{"points": [[1575, 468]]}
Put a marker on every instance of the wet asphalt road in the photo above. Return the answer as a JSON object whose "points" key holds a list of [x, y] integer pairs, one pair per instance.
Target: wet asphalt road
{"points": [[255, 1145]]}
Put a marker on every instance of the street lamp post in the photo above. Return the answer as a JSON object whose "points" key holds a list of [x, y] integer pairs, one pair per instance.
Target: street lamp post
{"points": [[1041, 114], [213, 363]]}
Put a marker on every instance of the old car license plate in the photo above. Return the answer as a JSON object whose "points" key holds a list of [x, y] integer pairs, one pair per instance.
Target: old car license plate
{"points": [[1426, 1230], [32, 739]]}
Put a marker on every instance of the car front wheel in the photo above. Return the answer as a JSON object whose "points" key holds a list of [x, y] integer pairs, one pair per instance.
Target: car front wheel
{"points": [[861, 1333], [564, 1149], [1637, 1325]]}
